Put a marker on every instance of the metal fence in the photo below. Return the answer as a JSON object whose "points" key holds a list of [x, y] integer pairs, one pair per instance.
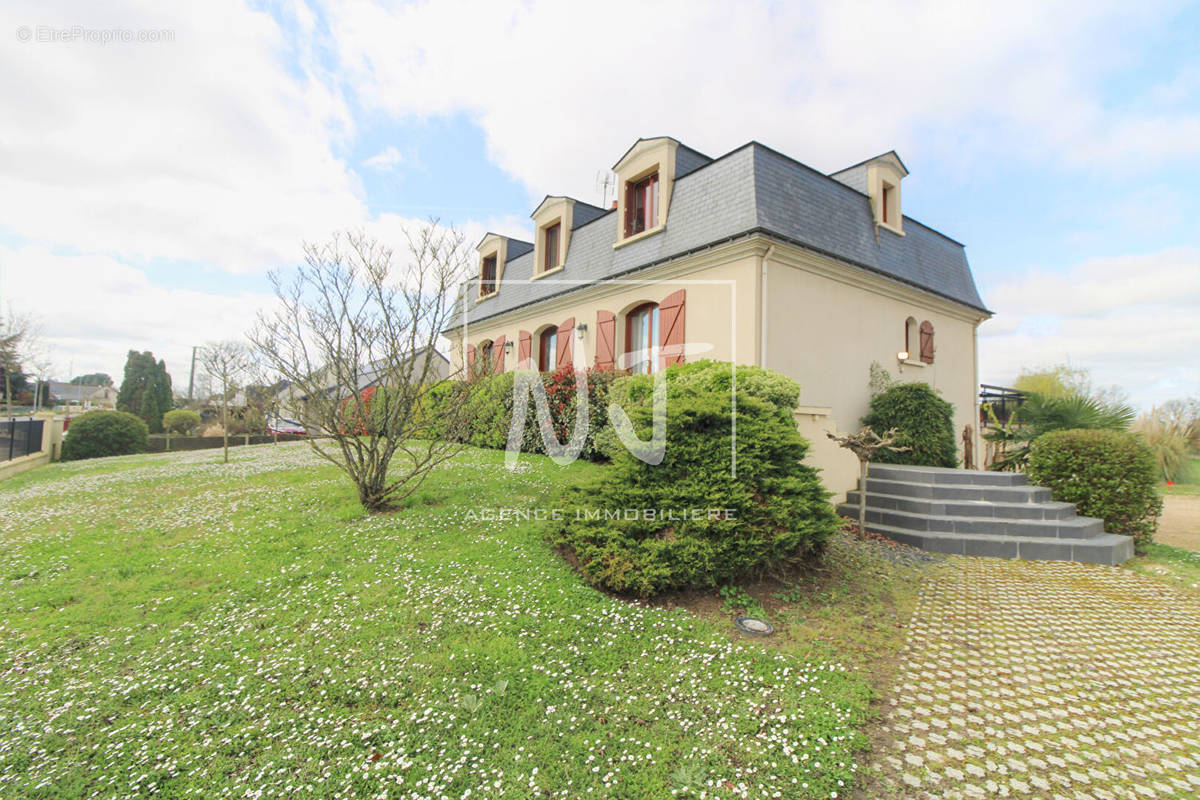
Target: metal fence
{"points": [[20, 437]]}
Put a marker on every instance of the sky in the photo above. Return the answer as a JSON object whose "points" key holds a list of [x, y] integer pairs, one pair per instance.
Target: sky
{"points": [[151, 181]]}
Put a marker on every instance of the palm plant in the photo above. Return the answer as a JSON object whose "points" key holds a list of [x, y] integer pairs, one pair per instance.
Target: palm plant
{"points": [[1040, 414]]}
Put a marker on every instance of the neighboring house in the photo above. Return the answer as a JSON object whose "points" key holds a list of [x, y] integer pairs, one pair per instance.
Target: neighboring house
{"points": [[292, 398], [88, 397], [753, 258]]}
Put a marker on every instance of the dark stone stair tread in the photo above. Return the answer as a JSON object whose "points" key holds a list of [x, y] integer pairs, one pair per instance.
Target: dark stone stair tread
{"points": [[1108, 548], [1075, 527], [948, 476], [1049, 509]]}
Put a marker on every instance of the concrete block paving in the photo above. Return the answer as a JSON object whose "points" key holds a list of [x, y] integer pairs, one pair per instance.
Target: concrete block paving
{"points": [[1046, 679]]}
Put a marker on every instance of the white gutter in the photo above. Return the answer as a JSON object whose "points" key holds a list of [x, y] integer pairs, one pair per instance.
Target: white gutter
{"points": [[762, 306]]}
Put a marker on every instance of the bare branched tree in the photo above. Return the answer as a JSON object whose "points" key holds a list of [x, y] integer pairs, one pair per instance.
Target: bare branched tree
{"points": [[19, 340], [865, 444], [354, 334], [226, 363]]}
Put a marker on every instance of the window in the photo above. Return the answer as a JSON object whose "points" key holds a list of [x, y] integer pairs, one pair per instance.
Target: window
{"points": [[910, 338], [641, 339], [485, 360], [487, 276], [548, 350], [641, 205], [886, 200], [552, 235]]}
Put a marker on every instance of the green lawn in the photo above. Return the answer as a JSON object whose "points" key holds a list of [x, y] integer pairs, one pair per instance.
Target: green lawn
{"points": [[171, 625]]}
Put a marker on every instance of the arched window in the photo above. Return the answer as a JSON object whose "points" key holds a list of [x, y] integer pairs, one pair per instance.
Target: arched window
{"points": [[485, 359], [910, 339], [641, 339], [548, 349]]}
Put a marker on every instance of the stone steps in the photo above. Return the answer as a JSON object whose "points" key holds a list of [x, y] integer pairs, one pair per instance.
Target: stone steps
{"points": [[980, 513]]}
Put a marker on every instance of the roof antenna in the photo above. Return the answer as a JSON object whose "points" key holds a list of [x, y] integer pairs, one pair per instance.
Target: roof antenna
{"points": [[605, 180]]}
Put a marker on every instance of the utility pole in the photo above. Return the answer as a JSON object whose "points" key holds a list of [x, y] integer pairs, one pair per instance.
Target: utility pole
{"points": [[192, 377]]}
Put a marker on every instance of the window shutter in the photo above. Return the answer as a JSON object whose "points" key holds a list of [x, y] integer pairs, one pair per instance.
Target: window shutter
{"points": [[470, 360], [566, 332], [671, 312], [927, 342], [606, 337], [498, 355], [524, 347]]}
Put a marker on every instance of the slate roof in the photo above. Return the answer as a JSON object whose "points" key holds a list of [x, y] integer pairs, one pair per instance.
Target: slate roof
{"points": [[752, 189], [71, 392]]}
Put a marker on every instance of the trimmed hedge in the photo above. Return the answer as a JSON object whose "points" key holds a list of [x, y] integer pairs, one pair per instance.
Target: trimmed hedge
{"points": [[486, 407], [924, 422], [180, 420], [1106, 474], [778, 509], [97, 434]]}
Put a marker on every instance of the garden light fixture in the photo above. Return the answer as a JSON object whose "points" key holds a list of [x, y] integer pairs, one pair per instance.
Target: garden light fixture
{"points": [[754, 626]]}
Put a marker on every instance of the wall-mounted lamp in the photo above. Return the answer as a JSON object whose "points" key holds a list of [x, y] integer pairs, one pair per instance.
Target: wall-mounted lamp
{"points": [[902, 355], [580, 330], [508, 348]]}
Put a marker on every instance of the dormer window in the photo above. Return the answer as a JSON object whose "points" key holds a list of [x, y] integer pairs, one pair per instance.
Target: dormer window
{"points": [[886, 202], [641, 205], [487, 276], [550, 243], [646, 175]]}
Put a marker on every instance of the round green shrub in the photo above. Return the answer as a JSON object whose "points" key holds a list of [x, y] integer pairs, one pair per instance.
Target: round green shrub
{"points": [[1106, 474], [105, 433], [771, 515], [180, 420], [923, 421]]}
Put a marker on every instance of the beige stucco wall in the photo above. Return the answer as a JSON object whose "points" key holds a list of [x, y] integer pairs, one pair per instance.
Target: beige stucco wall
{"points": [[824, 327]]}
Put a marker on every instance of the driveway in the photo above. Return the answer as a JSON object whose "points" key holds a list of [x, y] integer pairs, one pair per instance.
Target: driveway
{"points": [[1038, 679], [1179, 524]]}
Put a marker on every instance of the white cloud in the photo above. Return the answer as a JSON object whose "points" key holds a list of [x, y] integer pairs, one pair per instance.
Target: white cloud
{"points": [[93, 309], [216, 146], [562, 89], [1132, 320], [386, 159]]}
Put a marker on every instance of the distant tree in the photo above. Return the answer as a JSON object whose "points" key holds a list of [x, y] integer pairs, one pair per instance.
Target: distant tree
{"points": [[17, 338], [145, 389], [226, 363], [93, 379], [1062, 381]]}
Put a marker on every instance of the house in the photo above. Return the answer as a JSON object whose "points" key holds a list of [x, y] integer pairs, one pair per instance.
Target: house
{"points": [[292, 397], [751, 257], [89, 397]]}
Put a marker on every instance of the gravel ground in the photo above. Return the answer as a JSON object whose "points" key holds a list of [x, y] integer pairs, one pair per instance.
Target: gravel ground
{"points": [[1179, 524]]}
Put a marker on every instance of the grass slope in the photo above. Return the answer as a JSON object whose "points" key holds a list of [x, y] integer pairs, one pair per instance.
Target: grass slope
{"points": [[170, 625]]}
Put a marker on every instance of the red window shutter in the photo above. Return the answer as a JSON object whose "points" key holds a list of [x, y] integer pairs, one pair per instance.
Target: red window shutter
{"points": [[606, 337], [927, 342], [671, 312], [498, 355], [470, 359], [525, 346], [566, 333]]}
